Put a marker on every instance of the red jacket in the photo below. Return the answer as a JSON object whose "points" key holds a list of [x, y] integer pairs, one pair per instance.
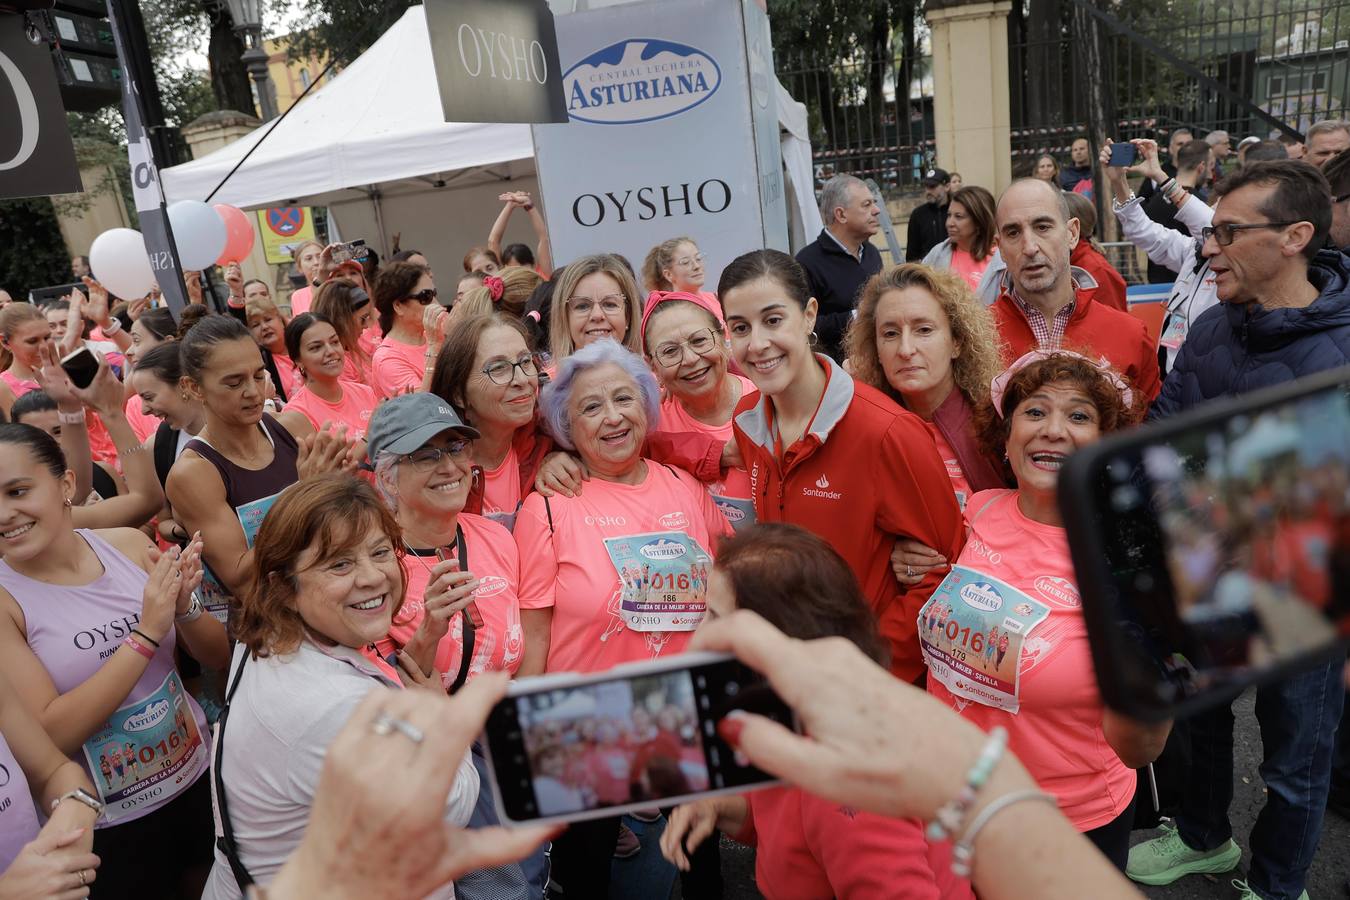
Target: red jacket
{"points": [[1110, 284], [865, 472], [807, 847], [1095, 330]]}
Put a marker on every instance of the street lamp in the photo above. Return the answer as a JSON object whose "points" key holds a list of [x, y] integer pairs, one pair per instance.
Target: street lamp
{"points": [[247, 15]]}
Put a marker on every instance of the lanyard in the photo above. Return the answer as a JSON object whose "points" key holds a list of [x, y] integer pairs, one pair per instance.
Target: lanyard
{"points": [[466, 653]]}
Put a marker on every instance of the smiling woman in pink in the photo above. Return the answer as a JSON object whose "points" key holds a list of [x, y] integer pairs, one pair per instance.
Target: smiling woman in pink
{"points": [[596, 298], [326, 397], [1039, 683], [579, 614], [409, 316]]}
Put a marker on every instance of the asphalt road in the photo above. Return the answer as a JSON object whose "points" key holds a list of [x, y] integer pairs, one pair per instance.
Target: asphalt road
{"points": [[1327, 879]]}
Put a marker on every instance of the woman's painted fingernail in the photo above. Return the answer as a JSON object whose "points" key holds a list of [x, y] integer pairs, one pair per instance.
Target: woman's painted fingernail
{"points": [[731, 726]]}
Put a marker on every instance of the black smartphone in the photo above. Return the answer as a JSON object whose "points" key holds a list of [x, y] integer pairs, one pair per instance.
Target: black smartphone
{"points": [[470, 611], [1213, 549], [81, 366], [1124, 153], [567, 747]]}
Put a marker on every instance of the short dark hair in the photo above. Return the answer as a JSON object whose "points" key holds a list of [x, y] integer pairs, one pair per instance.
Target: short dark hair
{"points": [[1301, 195], [800, 584], [1192, 153], [518, 254], [395, 283], [1265, 151], [32, 402], [1337, 173]]}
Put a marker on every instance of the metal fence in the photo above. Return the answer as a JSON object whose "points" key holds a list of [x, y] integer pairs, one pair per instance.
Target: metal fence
{"points": [[863, 119], [1173, 66]]}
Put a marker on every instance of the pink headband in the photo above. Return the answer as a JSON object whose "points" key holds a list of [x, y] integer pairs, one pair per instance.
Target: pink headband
{"points": [[999, 386], [495, 286], [703, 301]]}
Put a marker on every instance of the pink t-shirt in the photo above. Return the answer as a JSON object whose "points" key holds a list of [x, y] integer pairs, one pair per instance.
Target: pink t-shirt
{"points": [[292, 380], [397, 366], [732, 494], [353, 410], [571, 572], [494, 560], [300, 300], [952, 464], [501, 491], [141, 424], [101, 446], [1057, 733], [967, 267]]}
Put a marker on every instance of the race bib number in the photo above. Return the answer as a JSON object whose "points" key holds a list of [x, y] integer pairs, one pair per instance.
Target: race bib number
{"points": [[1174, 332], [251, 515], [663, 577], [147, 752], [972, 630]]}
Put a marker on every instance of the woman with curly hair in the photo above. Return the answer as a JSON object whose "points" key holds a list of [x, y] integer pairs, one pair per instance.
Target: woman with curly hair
{"points": [[1040, 687], [925, 340]]}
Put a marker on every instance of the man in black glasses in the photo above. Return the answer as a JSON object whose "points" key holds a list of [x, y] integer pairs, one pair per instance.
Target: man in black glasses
{"points": [[1283, 312]]}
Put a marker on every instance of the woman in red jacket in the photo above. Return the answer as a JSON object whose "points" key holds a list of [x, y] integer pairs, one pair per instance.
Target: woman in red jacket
{"points": [[833, 455], [806, 846]]}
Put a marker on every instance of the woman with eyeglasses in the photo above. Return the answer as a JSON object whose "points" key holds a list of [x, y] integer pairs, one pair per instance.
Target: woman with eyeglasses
{"points": [[687, 348], [348, 308], [411, 321], [327, 396], [676, 265], [596, 298]]}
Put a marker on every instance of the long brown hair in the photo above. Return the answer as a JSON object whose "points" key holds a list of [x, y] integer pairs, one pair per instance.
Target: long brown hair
{"points": [[332, 512], [334, 299], [979, 205], [800, 584], [454, 364]]}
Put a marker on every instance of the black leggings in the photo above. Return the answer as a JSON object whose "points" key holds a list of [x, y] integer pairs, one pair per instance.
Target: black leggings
{"points": [[1113, 838], [166, 854]]}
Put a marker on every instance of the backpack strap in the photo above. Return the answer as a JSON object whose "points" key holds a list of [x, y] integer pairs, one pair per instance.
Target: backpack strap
{"points": [[225, 843]]}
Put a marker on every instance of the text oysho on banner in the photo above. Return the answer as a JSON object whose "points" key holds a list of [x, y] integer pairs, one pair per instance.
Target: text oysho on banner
{"points": [[662, 140]]}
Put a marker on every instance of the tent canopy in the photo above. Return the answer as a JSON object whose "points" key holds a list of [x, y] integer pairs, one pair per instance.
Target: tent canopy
{"points": [[378, 122]]}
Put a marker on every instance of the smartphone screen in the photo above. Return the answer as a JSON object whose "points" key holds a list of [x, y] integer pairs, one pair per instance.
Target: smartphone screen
{"points": [[80, 366], [1123, 154], [1225, 549], [566, 748]]}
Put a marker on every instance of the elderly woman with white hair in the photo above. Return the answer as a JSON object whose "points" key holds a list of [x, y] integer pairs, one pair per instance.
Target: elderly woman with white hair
{"points": [[619, 572]]}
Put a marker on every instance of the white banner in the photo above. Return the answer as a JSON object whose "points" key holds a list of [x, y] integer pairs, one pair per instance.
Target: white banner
{"points": [[662, 138]]}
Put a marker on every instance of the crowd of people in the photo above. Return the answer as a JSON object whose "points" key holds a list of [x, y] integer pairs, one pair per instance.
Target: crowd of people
{"points": [[273, 518]]}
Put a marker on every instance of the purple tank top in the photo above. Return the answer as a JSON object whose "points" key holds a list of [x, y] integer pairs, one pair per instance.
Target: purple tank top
{"points": [[18, 817], [154, 746], [251, 492]]}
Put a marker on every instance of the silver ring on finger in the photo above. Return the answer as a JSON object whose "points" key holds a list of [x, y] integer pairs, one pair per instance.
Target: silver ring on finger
{"points": [[386, 724]]}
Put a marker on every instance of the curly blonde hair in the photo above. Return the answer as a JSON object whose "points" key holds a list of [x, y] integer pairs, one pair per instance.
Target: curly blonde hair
{"points": [[972, 326]]}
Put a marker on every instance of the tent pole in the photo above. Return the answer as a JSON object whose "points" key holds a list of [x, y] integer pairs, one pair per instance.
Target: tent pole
{"points": [[379, 221]]}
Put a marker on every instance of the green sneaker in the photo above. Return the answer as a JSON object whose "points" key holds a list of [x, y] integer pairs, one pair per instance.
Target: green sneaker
{"points": [[1246, 893], [1165, 859]]}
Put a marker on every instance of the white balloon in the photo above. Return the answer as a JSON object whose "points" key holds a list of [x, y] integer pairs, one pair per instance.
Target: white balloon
{"points": [[199, 233], [121, 264]]}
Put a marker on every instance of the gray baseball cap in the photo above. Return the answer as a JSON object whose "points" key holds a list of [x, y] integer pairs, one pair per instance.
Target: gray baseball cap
{"points": [[402, 424]]}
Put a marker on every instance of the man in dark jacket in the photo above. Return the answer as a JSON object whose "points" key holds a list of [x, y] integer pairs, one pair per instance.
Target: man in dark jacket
{"points": [[928, 221], [839, 261], [1284, 312]]}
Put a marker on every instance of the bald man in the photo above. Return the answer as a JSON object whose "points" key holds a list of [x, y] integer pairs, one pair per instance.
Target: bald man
{"points": [[1048, 304]]}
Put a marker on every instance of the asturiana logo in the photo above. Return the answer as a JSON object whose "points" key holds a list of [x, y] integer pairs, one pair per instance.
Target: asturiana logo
{"points": [[982, 595], [489, 585], [146, 719], [639, 80], [662, 549], [1058, 590], [674, 520]]}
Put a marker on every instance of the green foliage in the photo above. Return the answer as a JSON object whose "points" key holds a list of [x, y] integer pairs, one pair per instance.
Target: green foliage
{"points": [[343, 29], [32, 251]]}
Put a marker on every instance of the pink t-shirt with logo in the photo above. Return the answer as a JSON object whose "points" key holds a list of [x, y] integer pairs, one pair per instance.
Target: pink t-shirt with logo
{"points": [[969, 268], [353, 410], [397, 366], [952, 465], [493, 559], [501, 491], [1057, 734], [733, 493], [571, 572]]}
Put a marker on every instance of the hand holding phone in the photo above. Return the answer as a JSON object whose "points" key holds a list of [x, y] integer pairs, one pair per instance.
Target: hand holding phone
{"points": [[1123, 154], [451, 590], [80, 367]]}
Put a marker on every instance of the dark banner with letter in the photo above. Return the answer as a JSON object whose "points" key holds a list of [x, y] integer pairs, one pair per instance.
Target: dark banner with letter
{"points": [[145, 184], [36, 153], [496, 60]]}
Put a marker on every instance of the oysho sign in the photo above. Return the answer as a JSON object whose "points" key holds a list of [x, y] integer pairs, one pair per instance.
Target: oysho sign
{"points": [[36, 153], [639, 80], [496, 60], [659, 141]]}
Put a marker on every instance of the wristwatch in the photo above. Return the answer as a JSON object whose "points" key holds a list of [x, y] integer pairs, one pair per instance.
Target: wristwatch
{"points": [[193, 612], [1117, 206], [82, 796]]}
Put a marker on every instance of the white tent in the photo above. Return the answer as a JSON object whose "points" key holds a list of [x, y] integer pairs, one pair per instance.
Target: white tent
{"points": [[373, 147]]}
